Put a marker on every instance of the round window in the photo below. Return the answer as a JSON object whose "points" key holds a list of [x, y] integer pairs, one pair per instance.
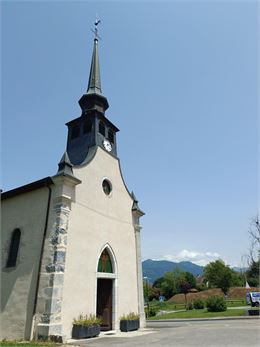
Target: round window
{"points": [[107, 187]]}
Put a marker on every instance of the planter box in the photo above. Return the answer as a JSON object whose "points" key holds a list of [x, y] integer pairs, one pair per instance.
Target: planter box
{"points": [[129, 325], [253, 312], [83, 332]]}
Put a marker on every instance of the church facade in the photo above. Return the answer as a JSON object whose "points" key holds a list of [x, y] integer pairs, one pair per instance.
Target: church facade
{"points": [[71, 242]]}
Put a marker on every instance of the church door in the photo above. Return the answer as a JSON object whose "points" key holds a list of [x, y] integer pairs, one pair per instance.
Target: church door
{"points": [[104, 302]]}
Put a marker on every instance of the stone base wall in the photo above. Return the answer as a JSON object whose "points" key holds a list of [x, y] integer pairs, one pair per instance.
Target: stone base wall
{"points": [[49, 321]]}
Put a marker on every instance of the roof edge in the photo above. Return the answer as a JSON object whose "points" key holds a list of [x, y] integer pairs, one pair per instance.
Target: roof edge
{"points": [[44, 182]]}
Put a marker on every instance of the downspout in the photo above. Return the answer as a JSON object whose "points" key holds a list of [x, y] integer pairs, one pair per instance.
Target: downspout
{"points": [[40, 262]]}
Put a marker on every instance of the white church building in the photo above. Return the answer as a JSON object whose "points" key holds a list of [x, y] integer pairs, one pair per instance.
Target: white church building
{"points": [[71, 242]]}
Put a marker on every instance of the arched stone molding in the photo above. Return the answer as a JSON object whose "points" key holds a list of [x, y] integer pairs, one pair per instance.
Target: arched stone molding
{"points": [[113, 260]]}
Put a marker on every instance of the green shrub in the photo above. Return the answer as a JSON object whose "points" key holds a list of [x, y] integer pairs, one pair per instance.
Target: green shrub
{"points": [[216, 304], [201, 287], [189, 306], [152, 311], [198, 304]]}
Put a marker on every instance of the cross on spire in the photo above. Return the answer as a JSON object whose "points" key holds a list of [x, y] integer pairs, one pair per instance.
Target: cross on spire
{"points": [[95, 30]]}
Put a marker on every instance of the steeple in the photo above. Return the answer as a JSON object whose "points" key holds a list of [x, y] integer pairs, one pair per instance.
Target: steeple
{"points": [[92, 129], [94, 100]]}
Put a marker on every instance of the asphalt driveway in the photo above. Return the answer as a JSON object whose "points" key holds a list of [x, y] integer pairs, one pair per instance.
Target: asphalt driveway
{"points": [[211, 333]]}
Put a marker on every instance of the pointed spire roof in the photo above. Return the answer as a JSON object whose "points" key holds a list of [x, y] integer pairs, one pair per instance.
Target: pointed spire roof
{"points": [[135, 207], [94, 82], [65, 170], [94, 99], [65, 166]]}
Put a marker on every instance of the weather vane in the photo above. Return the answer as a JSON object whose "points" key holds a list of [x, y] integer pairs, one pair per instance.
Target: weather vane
{"points": [[95, 31]]}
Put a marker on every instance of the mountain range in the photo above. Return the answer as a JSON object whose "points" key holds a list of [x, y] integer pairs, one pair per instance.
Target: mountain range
{"points": [[153, 269]]}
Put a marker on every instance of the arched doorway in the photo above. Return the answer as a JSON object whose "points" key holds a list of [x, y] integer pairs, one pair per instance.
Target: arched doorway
{"points": [[106, 289]]}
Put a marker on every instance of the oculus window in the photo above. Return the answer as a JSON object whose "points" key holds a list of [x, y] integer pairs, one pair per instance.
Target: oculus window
{"points": [[107, 187]]}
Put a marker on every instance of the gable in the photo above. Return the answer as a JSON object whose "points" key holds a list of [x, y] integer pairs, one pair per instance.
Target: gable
{"points": [[103, 168]]}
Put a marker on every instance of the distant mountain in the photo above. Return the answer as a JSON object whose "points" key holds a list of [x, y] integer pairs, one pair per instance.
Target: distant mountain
{"points": [[153, 269]]}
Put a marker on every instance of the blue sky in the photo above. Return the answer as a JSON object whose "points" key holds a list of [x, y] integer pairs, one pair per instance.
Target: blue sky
{"points": [[182, 80]]}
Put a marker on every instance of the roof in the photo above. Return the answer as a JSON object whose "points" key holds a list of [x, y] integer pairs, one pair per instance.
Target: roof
{"points": [[44, 182], [94, 82]]}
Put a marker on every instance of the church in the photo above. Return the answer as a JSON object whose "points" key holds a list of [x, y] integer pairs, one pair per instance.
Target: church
{"points": [[71, 242]]}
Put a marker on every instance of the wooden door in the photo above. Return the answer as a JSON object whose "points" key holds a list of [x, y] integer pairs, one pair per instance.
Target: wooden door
{"points": [[104, 302]]}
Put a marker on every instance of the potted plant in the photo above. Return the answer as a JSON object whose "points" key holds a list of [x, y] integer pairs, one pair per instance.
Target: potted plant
{"points": [[129, 322], [86, 326]]}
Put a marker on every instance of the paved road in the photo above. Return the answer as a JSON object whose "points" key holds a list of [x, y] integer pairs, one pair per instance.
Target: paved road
{"points": [[216, 333]]}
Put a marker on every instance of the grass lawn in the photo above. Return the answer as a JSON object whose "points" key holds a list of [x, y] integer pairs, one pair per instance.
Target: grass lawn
{"points": [[237, 302], [199, 314], [170, 306], [166, 306], [28, 344]]}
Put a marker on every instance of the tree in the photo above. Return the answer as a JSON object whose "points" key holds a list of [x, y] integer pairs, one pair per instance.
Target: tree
{"points": [[146, 290], [168, 285], [153, 293], [187, 282], [174, 282], [238, 279], [190, 279], [254, 232], [252, 274], [150, 292], [158, 282], [219, 275], [185, 287]]}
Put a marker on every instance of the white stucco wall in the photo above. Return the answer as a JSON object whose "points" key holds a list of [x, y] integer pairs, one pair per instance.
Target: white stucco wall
{"points": [[94, 221], [26, 212], [97, 219]]}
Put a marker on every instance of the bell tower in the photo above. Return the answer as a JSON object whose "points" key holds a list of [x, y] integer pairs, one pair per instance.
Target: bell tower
{"points": [[92, 128]]}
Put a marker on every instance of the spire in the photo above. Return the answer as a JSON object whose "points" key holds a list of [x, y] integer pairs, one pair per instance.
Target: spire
{"points": [[93, 99], [94, 82]]}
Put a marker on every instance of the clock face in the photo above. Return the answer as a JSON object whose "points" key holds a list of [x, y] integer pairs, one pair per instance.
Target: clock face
{"points": [[107, 145]]}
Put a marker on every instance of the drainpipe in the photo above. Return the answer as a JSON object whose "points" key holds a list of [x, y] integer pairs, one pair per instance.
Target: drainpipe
{"points": [[40, 262]]}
